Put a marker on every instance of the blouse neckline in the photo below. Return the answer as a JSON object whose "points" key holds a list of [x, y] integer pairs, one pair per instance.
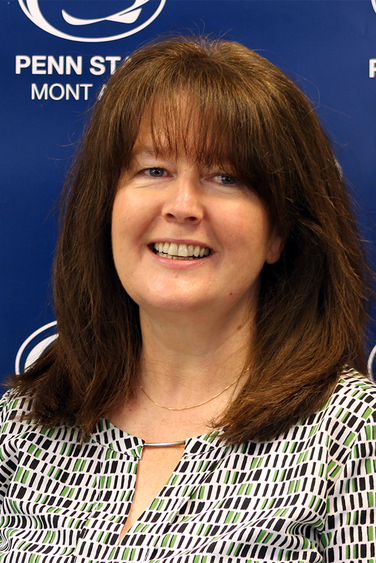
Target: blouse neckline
{"points": [[110, 436]]}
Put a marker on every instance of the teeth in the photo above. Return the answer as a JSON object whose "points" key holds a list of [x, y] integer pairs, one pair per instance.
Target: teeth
{"points": [[180, 251], [173, 249]]}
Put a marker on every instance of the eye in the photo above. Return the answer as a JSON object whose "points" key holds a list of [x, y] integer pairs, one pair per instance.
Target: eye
{"points": [[227, 180], [155, 172]]}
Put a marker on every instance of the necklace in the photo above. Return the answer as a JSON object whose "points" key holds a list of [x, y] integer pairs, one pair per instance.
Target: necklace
{"points": [[191, 406], [164, 444]]}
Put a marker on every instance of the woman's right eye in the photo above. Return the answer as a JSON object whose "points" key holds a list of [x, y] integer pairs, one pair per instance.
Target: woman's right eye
{"points": [[155, 172]]}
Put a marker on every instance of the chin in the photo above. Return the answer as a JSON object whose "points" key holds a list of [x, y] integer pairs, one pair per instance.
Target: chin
{"points": [[174, 306], [171, 304]]}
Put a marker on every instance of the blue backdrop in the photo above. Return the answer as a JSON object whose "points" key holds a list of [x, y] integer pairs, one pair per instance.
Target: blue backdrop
{"points": [[56, 56]]}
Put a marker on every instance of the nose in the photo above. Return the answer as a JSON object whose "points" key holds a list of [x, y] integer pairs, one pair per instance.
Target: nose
{"points": [[183, 203]]}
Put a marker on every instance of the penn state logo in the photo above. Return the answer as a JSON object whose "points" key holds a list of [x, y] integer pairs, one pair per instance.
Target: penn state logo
{"points": [[99, 27], [34, 346], [371, 361]]}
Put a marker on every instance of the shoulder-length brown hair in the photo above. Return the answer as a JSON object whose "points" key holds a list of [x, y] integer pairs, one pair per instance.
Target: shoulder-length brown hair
{"points": [[311, 313]]}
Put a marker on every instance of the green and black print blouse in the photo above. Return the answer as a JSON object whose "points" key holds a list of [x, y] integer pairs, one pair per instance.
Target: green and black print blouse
{"points": [[308, 496]]}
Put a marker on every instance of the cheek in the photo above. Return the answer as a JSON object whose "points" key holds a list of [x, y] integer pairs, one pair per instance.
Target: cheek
{"points": [[123, 208], [249, 240], [246, 230], [126, 216], [133, 220], [122, 229]]}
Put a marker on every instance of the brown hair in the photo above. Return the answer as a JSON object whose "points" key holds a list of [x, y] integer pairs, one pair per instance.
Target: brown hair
{"points": [[311, 314]]}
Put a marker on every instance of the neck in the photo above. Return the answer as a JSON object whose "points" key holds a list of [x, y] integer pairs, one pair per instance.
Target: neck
{"points": [[188, 360], [185, 361]]}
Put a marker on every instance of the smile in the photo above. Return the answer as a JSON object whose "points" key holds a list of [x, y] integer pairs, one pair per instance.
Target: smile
{"points": [[180, 251]]}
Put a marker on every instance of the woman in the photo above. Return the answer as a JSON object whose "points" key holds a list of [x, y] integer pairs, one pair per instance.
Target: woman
{"points": [[200, 403]]}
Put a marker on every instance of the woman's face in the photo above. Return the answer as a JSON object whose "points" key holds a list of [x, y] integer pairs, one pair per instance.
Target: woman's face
{"points": [[186, 237]]}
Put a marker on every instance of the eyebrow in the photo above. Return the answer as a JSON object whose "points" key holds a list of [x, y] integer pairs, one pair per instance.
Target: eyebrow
{"points": [[143, 149], [151, 151]]}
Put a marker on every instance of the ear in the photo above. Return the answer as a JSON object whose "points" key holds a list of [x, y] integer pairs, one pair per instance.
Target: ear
{"points": [[275, 249]]}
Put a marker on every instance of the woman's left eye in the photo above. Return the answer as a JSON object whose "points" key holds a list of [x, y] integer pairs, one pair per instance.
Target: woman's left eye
{"points": [[225, 179]]}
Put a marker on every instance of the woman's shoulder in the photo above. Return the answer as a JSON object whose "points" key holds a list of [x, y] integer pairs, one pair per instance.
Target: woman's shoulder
{"points": [[352, 403], [349, 416], [14, 409], [355, 392]]}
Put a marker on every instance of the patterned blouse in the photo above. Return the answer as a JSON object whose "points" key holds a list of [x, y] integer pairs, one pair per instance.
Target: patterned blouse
{"points": [[307, 496]]}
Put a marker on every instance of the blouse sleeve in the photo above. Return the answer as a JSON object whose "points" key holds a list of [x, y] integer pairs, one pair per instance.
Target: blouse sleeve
{"points": [[350, 533]]}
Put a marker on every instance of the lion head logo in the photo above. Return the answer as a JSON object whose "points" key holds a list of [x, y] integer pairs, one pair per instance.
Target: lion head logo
{"points": [[133, 18]]}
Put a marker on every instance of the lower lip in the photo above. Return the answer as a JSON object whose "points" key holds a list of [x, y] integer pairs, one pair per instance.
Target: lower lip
{"points": [[180, 264]]}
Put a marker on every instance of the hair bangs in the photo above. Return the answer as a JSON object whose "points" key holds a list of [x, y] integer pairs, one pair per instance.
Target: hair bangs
{"points": [[206, 100], [212, 126], [185, 124]]}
